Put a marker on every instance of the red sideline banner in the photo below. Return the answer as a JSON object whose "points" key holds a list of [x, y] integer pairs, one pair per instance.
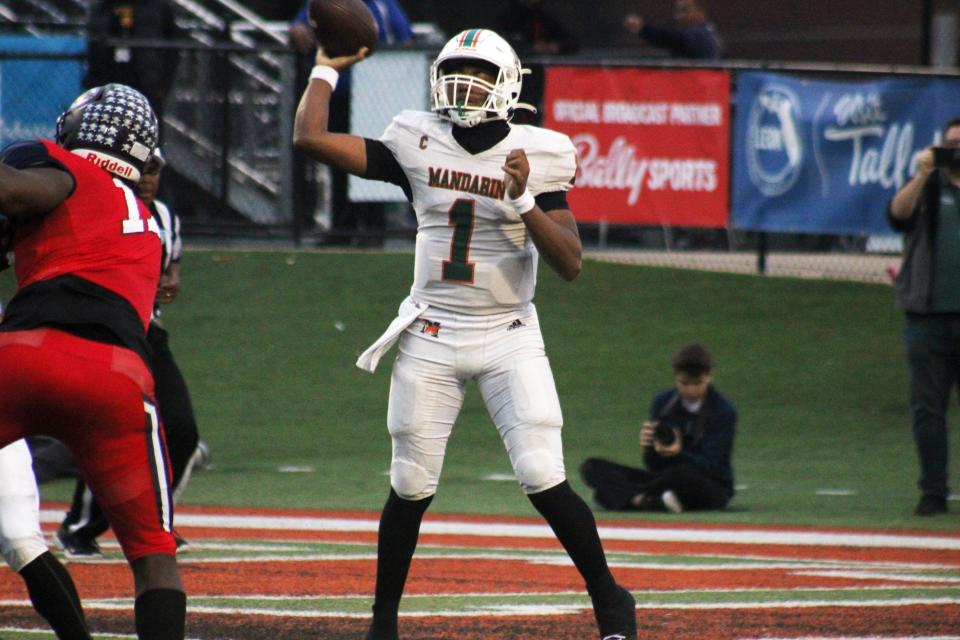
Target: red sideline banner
{"points": [[653, 144]]}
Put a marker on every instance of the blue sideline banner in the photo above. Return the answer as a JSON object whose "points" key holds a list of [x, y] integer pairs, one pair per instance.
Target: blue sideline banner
{"points": [[39, 78], [825, 156]]}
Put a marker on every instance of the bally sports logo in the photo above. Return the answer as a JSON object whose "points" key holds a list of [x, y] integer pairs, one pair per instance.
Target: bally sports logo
{"points": [[623, 168], [109, 163]]}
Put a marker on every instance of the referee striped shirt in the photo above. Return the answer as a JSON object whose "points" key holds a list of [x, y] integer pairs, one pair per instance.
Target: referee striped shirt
{"points": [[169, 224]]}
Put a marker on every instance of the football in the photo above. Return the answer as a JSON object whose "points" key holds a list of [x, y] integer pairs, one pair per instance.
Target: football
{"points": [[343, 26]]}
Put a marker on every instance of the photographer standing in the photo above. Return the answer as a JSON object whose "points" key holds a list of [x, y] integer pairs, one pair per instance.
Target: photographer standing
{"points": [[927, 211], [687, 445]]}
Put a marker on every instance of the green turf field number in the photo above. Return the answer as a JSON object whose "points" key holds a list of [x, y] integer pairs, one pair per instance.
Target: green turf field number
{"points": [[458, 268]]}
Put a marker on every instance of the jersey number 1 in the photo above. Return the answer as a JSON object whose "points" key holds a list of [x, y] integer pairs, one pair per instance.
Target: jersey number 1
{"points": [[458, 268], [133, 223]]}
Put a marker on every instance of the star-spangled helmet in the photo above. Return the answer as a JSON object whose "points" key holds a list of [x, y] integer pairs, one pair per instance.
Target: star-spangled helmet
{"points": [[450, 90], [113, 126]]}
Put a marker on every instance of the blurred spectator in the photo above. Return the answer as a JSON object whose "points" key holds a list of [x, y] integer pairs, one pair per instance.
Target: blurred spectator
{"points": [[694, 36], [150, 70], [346, 217], [527, 26], [687, 445], [927, 210]]}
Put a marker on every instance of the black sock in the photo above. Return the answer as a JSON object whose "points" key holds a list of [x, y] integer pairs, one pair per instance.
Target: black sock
{"points": [[573, 524], [160, 614], [54, 596], [396, 542]]}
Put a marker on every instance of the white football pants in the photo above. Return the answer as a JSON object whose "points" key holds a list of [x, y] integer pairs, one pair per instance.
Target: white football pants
{"points": [[21, 539], [504, 353]]}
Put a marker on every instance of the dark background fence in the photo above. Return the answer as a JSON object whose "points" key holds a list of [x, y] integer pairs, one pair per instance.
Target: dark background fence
{"points": [[232, 173]]}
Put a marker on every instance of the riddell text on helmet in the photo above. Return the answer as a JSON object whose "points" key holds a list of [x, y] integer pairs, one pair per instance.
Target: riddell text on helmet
{"points": [[113, 166]]}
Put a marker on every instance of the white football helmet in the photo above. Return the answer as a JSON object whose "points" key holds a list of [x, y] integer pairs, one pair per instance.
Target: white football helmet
{"points": [[451, 92]]}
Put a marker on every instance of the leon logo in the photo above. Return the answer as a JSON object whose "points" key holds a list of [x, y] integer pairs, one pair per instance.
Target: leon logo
{"points": [[774, 149]]}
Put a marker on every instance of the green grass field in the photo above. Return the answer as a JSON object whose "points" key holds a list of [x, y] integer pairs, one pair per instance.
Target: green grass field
{"points": [[267, 341]]}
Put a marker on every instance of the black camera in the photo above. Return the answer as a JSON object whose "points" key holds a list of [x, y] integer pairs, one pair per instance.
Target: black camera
{"points": [[664, 434], [946, 157]]}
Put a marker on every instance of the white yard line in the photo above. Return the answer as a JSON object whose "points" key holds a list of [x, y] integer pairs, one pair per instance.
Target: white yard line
{"points": [[523, 609], [541, 531]]}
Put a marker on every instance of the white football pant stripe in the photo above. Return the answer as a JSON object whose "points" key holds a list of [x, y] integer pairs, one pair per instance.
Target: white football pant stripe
{"points": [[158, 460]]}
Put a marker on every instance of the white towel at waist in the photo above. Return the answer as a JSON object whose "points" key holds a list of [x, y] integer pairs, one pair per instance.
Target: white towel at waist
{"points": [[408, 312]]}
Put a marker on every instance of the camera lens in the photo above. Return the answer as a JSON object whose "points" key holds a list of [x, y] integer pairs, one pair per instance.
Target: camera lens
{"points": [[664, 434]]}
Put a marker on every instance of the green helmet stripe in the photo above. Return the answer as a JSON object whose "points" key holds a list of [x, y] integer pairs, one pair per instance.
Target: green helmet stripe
{"points": [[470, 38]]}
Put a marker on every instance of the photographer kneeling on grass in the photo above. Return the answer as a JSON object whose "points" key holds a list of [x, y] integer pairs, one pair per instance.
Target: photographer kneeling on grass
{"points": [[687, 445]]}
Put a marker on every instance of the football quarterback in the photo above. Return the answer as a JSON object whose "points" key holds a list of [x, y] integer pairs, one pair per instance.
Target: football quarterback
{"points": [[490, 200]]}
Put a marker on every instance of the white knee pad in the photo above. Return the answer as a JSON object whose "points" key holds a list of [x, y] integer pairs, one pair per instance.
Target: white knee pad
{"points": [[410, 480], [538, 471], [19, 552]]}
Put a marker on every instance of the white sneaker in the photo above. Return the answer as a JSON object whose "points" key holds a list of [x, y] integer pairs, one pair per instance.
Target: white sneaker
{"points": [[672, 502]]}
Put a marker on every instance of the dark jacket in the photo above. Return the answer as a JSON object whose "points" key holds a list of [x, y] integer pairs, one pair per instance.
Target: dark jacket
{"points": [[700, 42], [912, 286], [707, 435]]}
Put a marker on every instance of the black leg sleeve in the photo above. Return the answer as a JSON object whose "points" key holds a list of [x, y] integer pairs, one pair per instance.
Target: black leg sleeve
{"points": [[397, 540], [54, 596], [160, 614], [573, 523]]}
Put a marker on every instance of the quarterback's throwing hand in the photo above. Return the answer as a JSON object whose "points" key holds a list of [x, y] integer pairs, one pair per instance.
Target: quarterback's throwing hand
{"points": [[340, 62], [517, 170]]}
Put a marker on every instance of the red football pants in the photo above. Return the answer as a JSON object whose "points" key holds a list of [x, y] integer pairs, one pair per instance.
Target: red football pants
{"points": [[98, 400]]}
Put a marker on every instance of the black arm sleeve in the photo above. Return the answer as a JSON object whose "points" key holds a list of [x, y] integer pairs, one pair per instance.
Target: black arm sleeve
{"points": [[31, 154], [552, 200], [383, 166]]}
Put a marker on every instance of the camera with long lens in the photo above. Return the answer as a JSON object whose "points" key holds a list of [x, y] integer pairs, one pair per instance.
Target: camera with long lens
{"points": [[664, 434], [947, 157]]}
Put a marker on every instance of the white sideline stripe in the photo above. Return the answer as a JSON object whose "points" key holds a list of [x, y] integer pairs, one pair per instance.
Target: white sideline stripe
{"points": [[121, 602], [505, 530], [853, 570], [281, 551], [537, 610], [540, 594], [870, 575], [521, 609]]}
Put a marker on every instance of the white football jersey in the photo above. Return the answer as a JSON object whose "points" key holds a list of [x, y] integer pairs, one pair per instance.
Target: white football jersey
{"points": [[473, 254]]}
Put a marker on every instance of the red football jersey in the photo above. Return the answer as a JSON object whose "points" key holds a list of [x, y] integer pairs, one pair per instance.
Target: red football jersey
{"points": [[101, 233]]}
